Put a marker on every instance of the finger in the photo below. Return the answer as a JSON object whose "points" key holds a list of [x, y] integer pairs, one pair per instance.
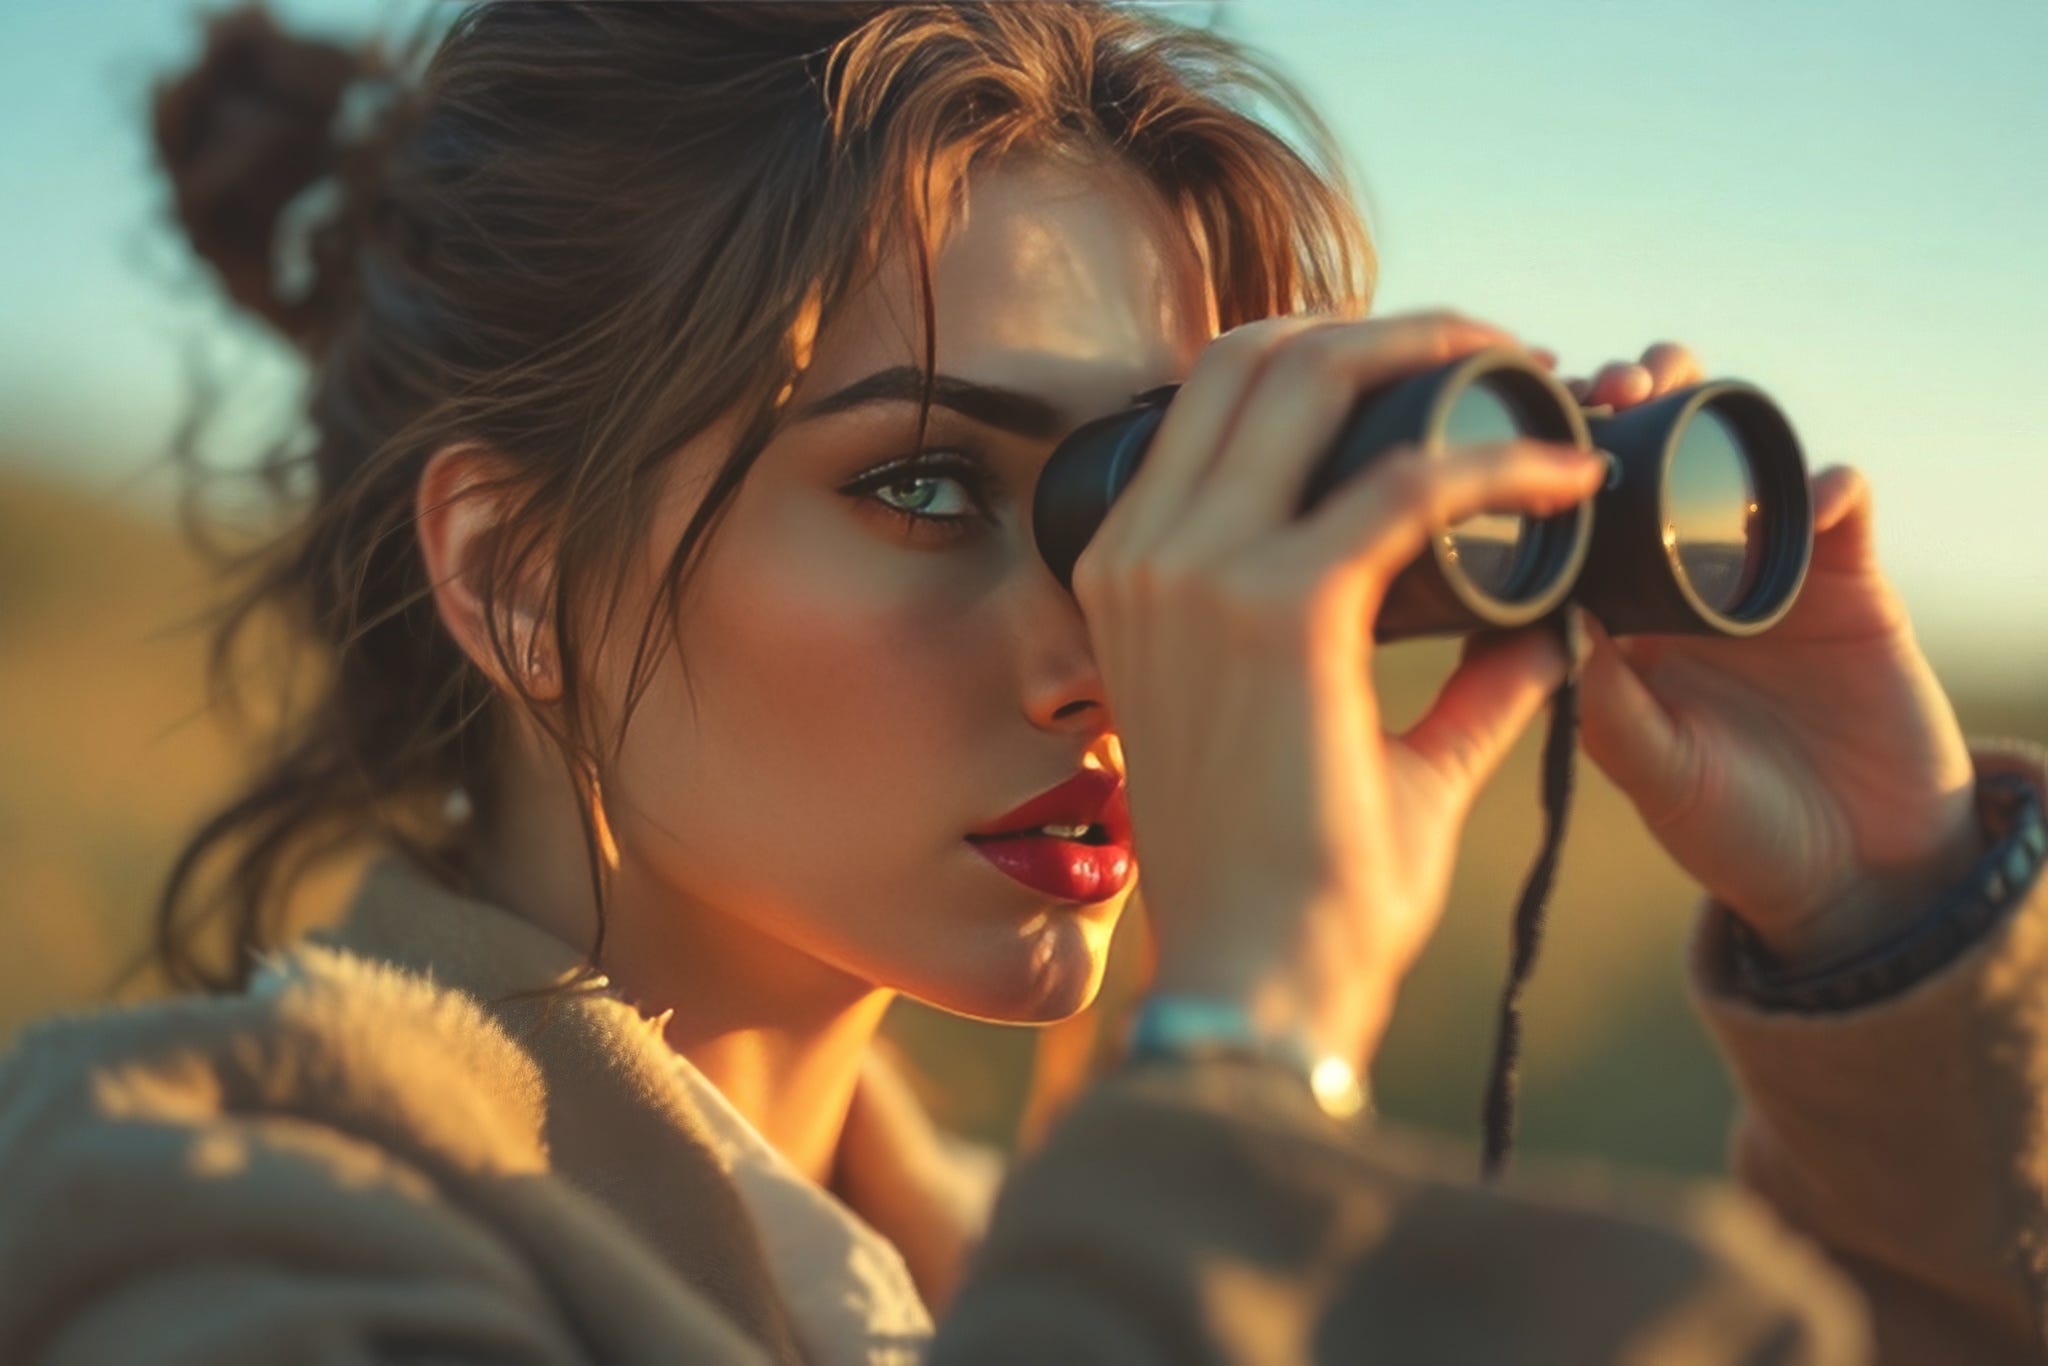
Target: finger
{"points": [[1844, 536], [1672, 367], [1631, 735], [1545, 357], [1295, 411], [1502, 681], [1197, 420], [1370, 528], [1622, 383], [1643, 652]]}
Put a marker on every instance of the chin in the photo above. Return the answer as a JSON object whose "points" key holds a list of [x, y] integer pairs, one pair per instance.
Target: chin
{"points": [[1046, 976]]}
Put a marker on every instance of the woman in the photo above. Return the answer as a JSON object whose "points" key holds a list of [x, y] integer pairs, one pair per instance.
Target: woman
{"points": [[665, 818]]}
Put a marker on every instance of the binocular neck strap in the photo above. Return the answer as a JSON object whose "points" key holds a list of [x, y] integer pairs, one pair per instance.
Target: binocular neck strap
{"points": [[1559, 747]]}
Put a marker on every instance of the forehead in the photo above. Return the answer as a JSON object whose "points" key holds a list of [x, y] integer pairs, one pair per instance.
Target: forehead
{"points": [[1069, 280]]}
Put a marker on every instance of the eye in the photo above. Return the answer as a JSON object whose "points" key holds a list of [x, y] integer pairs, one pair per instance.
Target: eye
{"points": [[915, 489]]}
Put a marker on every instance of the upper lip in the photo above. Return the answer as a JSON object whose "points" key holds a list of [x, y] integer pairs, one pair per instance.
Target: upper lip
{"points": [[1093, 796]]}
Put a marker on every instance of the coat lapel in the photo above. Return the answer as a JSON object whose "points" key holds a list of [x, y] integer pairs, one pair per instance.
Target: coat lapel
{"points": [[618, 1124], [621, 1127]]}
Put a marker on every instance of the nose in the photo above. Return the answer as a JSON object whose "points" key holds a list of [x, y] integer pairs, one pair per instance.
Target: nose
{"points": [[1064, 688]]}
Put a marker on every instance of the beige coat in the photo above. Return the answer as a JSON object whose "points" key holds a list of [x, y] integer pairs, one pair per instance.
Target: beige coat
{"points": [[366, 1163]]}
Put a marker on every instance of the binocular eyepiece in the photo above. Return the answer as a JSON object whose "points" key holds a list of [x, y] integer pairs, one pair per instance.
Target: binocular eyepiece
{"points": [[1704, 526]]}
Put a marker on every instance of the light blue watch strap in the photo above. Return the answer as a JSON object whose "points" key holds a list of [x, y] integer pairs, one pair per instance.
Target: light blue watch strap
{"points": [[1182, 1027]]}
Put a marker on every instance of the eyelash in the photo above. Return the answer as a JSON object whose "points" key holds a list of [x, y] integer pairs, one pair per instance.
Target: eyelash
{"points": [[962, 466]]}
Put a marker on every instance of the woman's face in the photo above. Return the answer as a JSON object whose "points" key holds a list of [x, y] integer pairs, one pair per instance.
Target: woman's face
{"points": [[863, 688]]}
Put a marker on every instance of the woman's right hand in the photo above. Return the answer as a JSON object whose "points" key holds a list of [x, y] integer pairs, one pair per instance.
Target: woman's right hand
{"points": [[1295, 857]]}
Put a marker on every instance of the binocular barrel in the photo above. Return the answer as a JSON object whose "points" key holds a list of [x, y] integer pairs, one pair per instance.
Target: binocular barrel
{"points": [[1704, 526]]}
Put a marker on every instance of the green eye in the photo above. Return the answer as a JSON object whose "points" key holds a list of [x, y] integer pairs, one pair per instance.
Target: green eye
{"points": [[925, 484], [912, 489]]}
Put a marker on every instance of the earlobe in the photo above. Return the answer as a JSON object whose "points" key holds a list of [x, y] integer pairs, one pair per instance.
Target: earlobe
{"points": [[463, 506], [541, 682]]}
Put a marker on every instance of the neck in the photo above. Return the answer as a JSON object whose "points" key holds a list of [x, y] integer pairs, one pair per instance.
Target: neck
{"points": [[782, 1035]]}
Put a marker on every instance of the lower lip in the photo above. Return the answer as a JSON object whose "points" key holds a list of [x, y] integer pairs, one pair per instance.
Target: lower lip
{"points": [[1068, 869]]}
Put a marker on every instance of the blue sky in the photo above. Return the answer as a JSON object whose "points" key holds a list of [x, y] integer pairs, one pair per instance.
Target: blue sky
{"points": [[1846, 203]]}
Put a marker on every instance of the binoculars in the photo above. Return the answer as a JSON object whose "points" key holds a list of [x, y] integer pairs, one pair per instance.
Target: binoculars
{"points": [[1704, 525]]}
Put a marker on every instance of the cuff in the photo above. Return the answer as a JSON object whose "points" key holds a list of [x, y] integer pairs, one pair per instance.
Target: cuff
{"points": [[2009, 806]]}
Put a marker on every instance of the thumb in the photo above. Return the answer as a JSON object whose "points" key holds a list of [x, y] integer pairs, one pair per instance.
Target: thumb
{"points": [[1843, 535], [1631, 735], [1502, 680]]}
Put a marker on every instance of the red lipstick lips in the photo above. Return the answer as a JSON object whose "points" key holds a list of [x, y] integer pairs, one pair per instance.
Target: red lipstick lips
{"points": [[1094, 796], [1092, 867]]}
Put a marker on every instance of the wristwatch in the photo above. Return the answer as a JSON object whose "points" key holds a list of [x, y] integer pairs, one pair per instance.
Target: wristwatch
{"points": [[2010, 808], [1180, 1028]]}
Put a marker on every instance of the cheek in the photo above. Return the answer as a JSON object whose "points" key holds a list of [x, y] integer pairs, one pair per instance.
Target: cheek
{"points": [[838, 686], [849, 681]]}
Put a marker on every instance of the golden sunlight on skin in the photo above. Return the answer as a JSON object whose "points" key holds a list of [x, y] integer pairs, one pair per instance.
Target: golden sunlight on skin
{"points": [[860, 693]]}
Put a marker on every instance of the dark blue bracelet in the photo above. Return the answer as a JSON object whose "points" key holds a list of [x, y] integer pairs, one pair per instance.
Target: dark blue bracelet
{"points": [[2010, 809]]}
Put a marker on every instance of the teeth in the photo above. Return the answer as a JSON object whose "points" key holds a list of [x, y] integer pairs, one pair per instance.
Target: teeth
{"points": [[1065, 832]]}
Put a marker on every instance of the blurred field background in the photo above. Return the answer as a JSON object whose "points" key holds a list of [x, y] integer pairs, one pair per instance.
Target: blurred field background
{"points": [[1820, 198]]}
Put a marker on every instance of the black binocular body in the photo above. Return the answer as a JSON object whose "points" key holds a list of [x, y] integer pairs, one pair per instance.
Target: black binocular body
{"points": [[1703, 526]]}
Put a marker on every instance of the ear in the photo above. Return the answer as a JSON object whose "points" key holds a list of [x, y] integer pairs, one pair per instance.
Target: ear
{"points": [[460, 512]]}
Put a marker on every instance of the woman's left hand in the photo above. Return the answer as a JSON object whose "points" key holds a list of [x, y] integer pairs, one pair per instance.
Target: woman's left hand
{"points": [[1814, 777]]}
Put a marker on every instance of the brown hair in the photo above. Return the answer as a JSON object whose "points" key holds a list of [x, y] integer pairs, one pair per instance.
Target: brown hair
{"points": [[578, 234]]}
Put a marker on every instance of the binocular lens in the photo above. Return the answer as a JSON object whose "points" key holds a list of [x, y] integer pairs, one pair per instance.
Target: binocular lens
{"points": [[1711, 525], [1709, 529], [1490, 546]]}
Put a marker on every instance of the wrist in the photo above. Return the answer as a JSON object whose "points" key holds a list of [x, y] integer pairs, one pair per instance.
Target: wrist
{"points": [[1179, 1029], [1880, 906], [1332, 1013], [2009, 807]]}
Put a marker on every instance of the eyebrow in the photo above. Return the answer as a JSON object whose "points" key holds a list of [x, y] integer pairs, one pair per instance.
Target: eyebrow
{"points": [[1011, 410]]}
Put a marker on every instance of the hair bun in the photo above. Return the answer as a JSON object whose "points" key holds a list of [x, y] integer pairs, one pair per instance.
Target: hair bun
{"points": [[242, 135]]}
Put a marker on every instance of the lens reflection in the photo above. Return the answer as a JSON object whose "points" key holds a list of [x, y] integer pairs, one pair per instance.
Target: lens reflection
{"points": [[1486, 546], [1712, 524]]}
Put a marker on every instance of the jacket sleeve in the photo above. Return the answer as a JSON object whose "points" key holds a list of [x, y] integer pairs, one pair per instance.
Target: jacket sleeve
{"points": [[1211, 1213], [161, 1211], [1909, 1135]]}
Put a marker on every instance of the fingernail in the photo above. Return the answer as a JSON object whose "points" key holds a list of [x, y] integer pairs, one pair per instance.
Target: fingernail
{"points": [[1614, 468]]}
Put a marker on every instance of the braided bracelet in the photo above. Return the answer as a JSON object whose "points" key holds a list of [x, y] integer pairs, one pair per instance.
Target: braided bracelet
{"points": [[2010, 808]]}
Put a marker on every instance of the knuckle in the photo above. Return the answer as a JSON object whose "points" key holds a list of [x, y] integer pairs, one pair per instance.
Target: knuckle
{"points": [[1446, 336], [1091, 574], [1237, 357], [1318, 358], [1404, 478], [1165, 577], [1267, 602], [1249, 343], [1464, 756], [1319, 598]]}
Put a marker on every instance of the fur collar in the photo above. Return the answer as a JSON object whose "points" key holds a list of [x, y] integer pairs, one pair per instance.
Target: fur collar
{"points": [[614, 1119]]}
